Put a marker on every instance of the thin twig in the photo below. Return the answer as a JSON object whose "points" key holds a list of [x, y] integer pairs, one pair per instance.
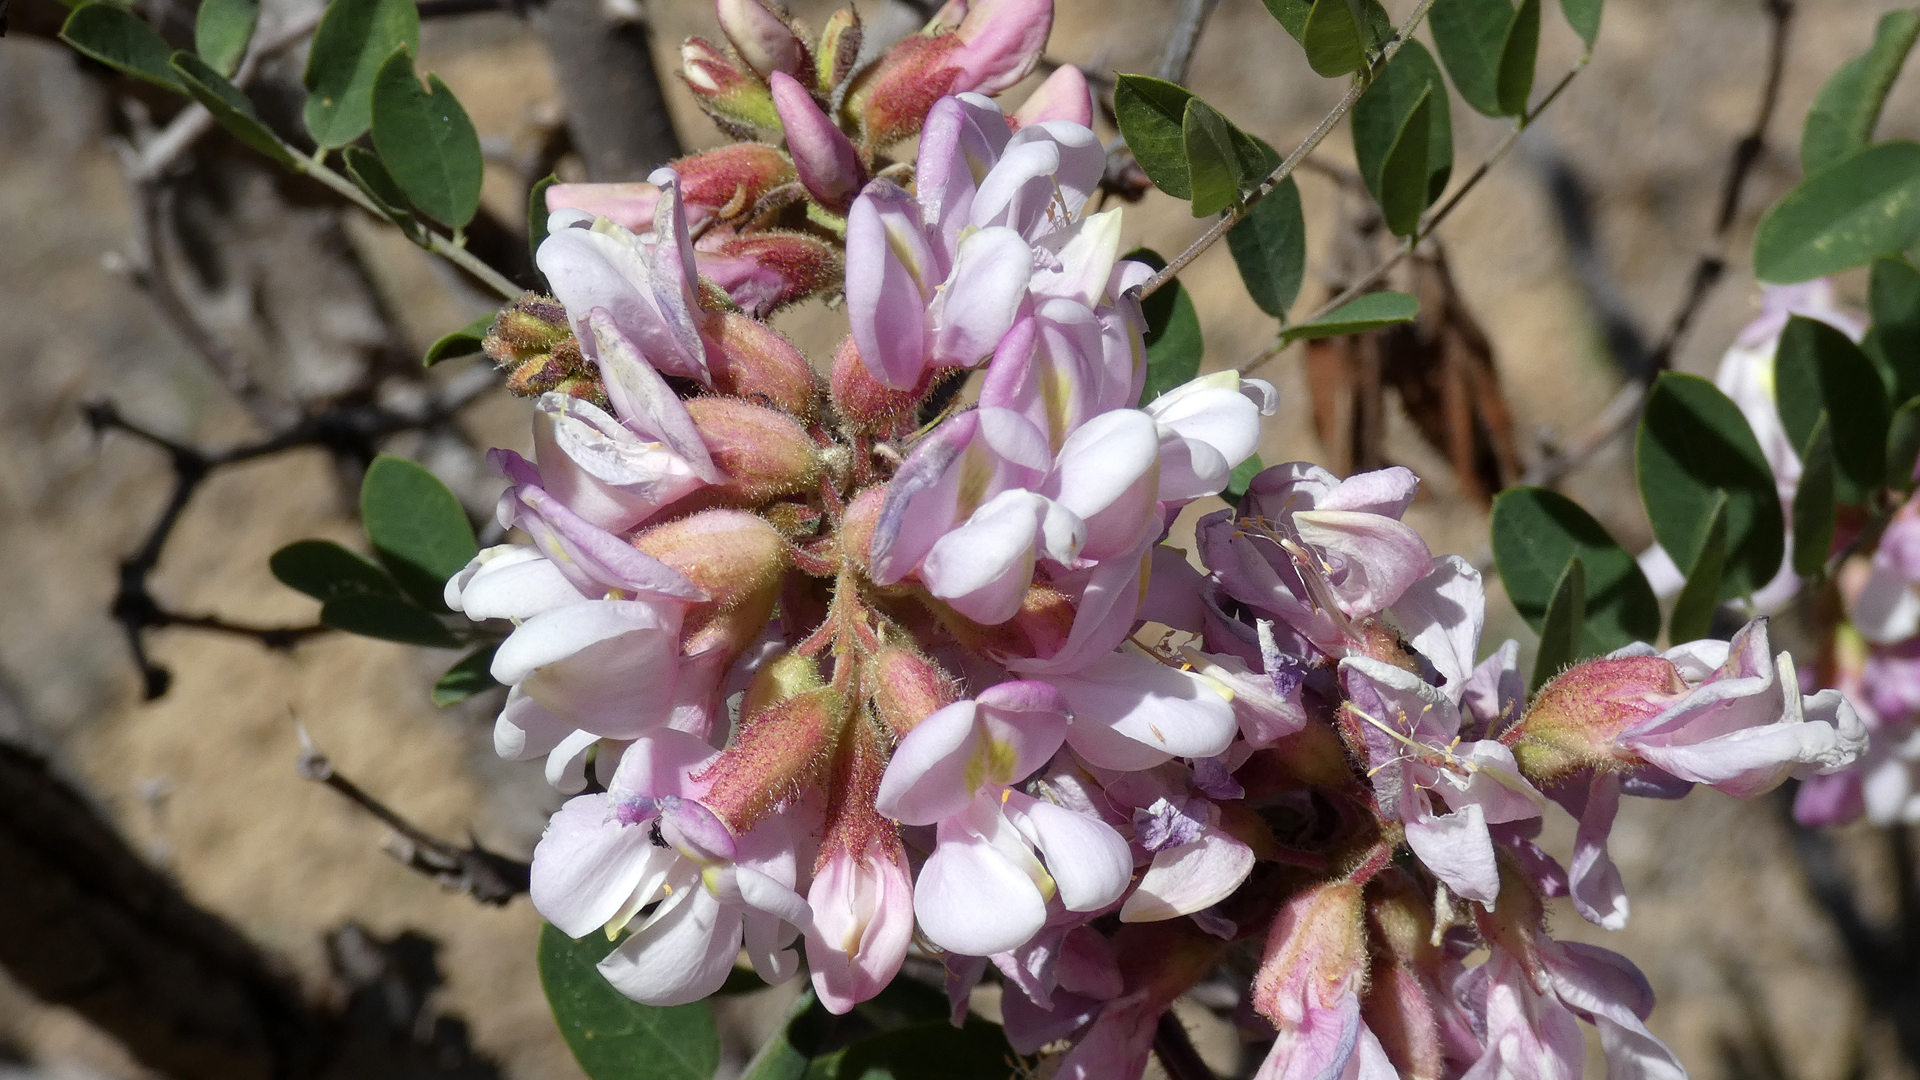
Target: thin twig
{"points": [[1279, 176], [1373, 277], [1184, 38], [486, 876], [436, 243]]}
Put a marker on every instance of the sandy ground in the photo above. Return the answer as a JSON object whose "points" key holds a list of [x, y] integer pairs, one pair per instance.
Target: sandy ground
{"points": [[203, 778]]}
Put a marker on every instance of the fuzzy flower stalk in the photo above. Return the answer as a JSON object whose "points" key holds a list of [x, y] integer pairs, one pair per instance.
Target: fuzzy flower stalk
{"points": [[836, 671]]}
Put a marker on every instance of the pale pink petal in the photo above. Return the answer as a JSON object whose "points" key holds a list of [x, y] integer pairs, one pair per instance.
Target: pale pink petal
{"points": [[682, 954], [1087, 860], [1191, 876]]}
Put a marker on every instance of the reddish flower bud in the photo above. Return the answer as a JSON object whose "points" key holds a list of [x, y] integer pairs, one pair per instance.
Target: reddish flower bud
{"points": [[822, 154], [1407, 976], [533, 342], [1576, 719], [766, 270], [869, 405], [1064, 96], [763, 37], [1316, 955], [750, 359], [983, 46], [777, 755], [731, 179], [839, 48], [763, 453], [788, 675], [729, 554], [733, 96], [907, 687], [857, 525]]}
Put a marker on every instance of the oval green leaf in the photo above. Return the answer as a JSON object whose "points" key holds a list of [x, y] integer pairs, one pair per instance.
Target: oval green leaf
{"points": [[1692, 446], [232, 109], [1362, 313], [221, 31], [1291, 14], [1813, 502], [1535, 533], [462, 342], [1584, 17], [1845, 111], [324, 570], [1699, 598], [1212, 168], [1381, 114], [1472, 38], [427, 142], [1333, 38], [1893, 343], [1518, 53], [118, 38], [418, 529], [612, 1037], [373, 180], [1903, 445], [354, 38], [1152, 115], [1854, 211], [1269, 247], [1818, 371], [1404, 174]]}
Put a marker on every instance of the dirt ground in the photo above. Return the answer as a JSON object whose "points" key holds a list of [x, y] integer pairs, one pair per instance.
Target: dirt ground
{"points": [[203, 779]]}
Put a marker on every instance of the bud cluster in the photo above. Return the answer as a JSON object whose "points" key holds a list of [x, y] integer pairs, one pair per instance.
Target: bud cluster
{"points": [[834, 667]]}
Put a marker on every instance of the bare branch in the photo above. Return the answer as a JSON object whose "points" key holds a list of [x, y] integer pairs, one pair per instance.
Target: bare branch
{"points": [[1184, 38]]}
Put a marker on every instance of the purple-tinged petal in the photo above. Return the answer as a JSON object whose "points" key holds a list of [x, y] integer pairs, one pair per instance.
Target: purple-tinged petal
{"points": [[979, 300], [1459, 851], [971, 900], [587, 865], [1189, 877], [890, 277]]}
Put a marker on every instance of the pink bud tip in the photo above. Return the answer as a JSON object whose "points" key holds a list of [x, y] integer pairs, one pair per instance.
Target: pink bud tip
{"points": [[825, 158]]}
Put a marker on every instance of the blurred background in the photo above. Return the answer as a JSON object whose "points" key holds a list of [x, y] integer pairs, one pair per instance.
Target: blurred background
{"points": [[213, 302]]}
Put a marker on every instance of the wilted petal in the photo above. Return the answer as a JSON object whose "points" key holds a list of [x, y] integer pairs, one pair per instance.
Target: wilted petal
{"points": [[1372, 559], [1458, 849]]}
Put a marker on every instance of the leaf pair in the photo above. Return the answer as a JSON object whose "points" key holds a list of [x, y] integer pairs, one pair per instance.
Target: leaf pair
{"points": [[1188, 149], [1403, 137], [1579, 589], [1337, 35], [420, 538], [1489, 47]]}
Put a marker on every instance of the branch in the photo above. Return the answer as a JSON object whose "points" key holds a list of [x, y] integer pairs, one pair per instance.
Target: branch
{"points": [[1184, 38], [487, 877], [1240, 210], [616, 109]]}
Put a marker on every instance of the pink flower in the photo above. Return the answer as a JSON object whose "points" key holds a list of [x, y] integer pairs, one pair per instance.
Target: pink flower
{"points": [[828, 165], [1064, 96], [862, 923], [1529, 1018]]}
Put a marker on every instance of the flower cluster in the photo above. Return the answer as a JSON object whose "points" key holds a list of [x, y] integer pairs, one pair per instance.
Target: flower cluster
{"points": [[853, 670]]}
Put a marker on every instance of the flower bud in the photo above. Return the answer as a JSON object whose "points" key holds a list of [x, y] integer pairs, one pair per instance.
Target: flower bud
{"points": [[1316, 955], [729, 554], [533, 342], [822, 154], [765, 270], [907, 687], [778, 753], [1576, 719], [858, 523], [629, 204], [736, 99], [761, 453], [730, 180], [763, 37], [839, 49], [869, 405], [993, 45], [1064, 96], [750, 359]]}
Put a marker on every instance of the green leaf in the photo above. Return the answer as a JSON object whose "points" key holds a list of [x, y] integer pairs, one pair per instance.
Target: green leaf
{"points": [[354, 38], [417, 527], [119, 39], [1212, 169], [1692, 617], [1536, 532], [537, 213], [934, 1050], [1333, 38], [426, 142], [1859, 208], [1903, 445], [1362, 313], [615, 1038], [472, 675], [462, 342], [1518, 54], [1269, 246], [1818, 371], [1292, 15], [1693, 445], [232, 109], [1845, 111], [324, 570], [1242, 476], [1404, 173], [1584, 17], [388, 618], [1813, 502], [1380, 117], [221, 31], [1472, 36], [1152, 116], [371, 177], [1893, 342], [1563, 626]]}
